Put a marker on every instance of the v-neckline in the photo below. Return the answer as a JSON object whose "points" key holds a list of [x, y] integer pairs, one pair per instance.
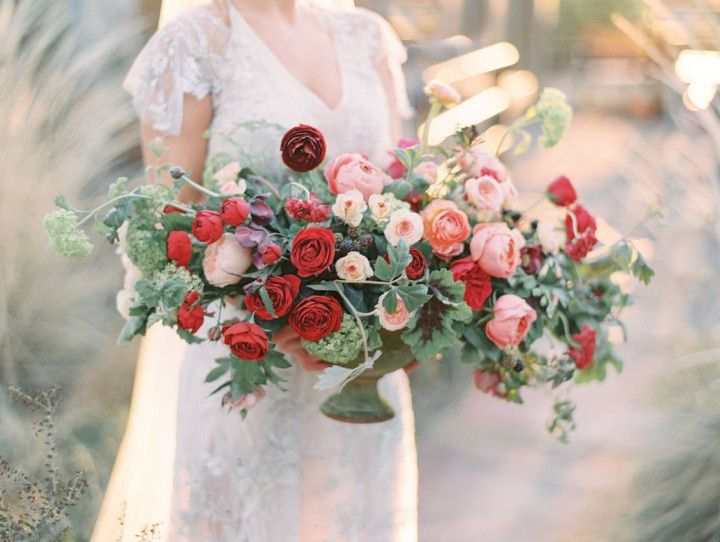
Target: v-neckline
{"points": [[273, 58]]}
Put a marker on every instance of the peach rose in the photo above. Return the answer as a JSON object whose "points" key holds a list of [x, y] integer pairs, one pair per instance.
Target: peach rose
{"points": [[511, 321], [353, 171], [225, 261], [442, 92], [354, 267], [228, 173], [478, 162], [395, 321], [349, 207], [404, 224], [496, 249], [485, 194], [550, 238], [446, 226], [510, 194]]}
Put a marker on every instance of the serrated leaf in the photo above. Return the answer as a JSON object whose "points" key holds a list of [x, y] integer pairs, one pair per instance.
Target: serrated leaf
{"points": [[414, 296], [399, 257], [173, 293], [149, 295], [217, 372], [641, 270]]}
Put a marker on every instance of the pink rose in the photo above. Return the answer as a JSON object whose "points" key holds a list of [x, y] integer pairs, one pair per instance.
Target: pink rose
{"points": [[446, 226], [395, 321], [428, 171], [225, 261], [485, 193], [479, 162], [510, 195], [511, 321], [496, 248], [353, 171], [442, 92]]}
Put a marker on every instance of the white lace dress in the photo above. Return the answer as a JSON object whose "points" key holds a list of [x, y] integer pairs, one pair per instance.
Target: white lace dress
{"points": [[285, 473]]}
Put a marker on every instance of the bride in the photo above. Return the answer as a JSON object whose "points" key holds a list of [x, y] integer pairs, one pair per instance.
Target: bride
{"points": [[242, 71]]}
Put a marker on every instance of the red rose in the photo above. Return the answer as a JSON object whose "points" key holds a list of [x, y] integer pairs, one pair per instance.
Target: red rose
{"points": [[316, 317], [583, 356], [561, 192], [313, 251], [531, 259], [247, 341], [282, 292], [207, 226], [478, 284], [234, 211], [270, 253], [578, 245], [190, 316], [179, 248], [303, 148], [416, 268]]}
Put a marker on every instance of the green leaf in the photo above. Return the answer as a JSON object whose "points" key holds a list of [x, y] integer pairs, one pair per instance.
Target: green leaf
{"points": [[641, 270], [62, 203], [149, 295], [414, 296], [217, 372], [389, 301], [134, 326], [276, 359], [189, 337], [173, 293], [399, 257], [267, 301], [247, 376], [177, 221], [400, 189]]}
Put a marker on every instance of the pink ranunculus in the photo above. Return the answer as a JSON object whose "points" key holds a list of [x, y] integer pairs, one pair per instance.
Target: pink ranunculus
{"points": [[353, 171], [428, 171], [442, 92], [395, 321], [479, 162], [511, 322], [446, 226], [485, 193], [225, 261], [496, 248]]}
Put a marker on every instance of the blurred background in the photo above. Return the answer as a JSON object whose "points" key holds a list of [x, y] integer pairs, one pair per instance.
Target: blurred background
{"points": [[644, 461]]}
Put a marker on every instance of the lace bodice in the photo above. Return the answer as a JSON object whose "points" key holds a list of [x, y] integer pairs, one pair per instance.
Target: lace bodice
{"points": [[252, 91]]}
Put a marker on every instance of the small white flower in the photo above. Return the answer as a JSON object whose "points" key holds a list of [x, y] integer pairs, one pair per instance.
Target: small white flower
{"points": [[354, 267], [228, 173], [404, 224], [550, 238], [379, 207], [349, 207]]}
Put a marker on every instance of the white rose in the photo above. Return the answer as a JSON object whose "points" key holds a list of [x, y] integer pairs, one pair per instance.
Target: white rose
{"points": [[550, 238], [380, 208], [404, 224], [225, 260], [349, 207], [354, 267], [228, 173], [395, 321]]}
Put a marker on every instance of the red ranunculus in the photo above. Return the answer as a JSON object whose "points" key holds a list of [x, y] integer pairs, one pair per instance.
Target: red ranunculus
{"points": [[170, 209], [584, 354], [478, 284], [303, 148], [561, 192], [234, 211], [282, 292], [207, 226], [179, 248], [416, 268], [190, 316], [531, 258], [247, 341], [270, 253], [313, 251], [316, 317], [578, 246]]}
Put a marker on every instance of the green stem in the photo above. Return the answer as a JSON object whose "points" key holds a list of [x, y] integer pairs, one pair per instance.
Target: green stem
{"points": [[357, 319], [200, 188], [435, 107], [519, 123]]}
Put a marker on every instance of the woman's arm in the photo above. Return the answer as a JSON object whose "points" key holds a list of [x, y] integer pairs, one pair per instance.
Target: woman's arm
{"points": [[187, 150]]}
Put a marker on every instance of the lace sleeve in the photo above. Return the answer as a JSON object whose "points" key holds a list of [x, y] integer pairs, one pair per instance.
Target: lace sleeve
{"points": [[390, 52], [176, 61]]}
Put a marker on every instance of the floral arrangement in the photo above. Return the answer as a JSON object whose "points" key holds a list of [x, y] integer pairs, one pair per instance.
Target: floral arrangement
{"points": [[428, 254]]}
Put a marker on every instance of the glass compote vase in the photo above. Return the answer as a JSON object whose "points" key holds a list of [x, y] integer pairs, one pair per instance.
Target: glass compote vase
{"points": [[360, 401]]}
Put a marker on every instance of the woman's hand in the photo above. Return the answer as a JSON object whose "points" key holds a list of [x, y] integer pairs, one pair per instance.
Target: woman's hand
{"points": [[288, 342]]}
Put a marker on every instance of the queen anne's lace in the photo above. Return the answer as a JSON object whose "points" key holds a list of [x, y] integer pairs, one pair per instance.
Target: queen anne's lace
{"points": [[286, 472]]}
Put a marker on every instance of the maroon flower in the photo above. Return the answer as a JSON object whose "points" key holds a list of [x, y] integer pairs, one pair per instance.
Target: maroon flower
{"points": [[478, 284], [313, 251], [303, 148], [561, 192], [580, 228], [416, 268], [260, 211], [310, 210], [531, 258]]}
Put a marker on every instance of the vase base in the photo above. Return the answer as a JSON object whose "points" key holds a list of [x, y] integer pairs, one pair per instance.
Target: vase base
{"points": [[359, 402]]}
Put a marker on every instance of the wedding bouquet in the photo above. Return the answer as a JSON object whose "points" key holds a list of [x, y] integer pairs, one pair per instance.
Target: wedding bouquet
{"points": [[374, 269]]}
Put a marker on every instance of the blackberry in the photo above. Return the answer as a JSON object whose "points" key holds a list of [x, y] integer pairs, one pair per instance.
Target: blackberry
{"points": [[365, 241], [353, 232], [346, 245], [338, 239], [519, 367]]}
